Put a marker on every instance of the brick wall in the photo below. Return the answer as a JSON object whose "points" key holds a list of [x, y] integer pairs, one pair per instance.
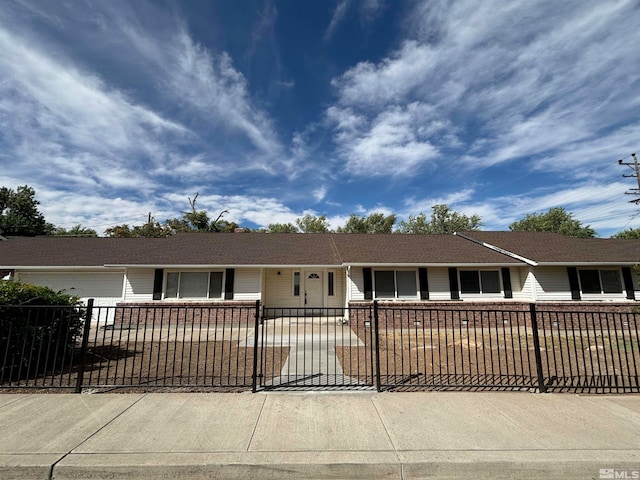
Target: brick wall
{"points": [[490, 314], [129, 314]]}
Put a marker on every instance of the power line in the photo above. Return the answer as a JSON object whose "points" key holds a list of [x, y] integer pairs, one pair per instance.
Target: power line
{"points": [[636, 174], [634, 216]]}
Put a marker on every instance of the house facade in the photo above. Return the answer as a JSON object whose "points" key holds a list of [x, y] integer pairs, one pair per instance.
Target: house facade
{"points": [[329, 270]]}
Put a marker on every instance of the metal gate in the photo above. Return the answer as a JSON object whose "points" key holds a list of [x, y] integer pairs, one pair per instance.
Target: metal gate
{"points": [[310, 348]]}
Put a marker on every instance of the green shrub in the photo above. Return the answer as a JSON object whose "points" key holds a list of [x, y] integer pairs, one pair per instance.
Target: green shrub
{"points": [[39, 328]]}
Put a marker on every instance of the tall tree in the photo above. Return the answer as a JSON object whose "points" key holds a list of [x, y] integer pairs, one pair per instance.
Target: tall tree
{"points": [[556, 220], [633, 233], [199, 221], [76, 231], [19, 214], [375, 223], [443, 220], [193, 220], [313, 224]]}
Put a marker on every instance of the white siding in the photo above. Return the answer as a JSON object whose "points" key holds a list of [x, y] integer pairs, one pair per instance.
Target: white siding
{"points": [[525, 278], [104, 287], [139, 285], [438, 283], [516, 281], [278, 289], [337, 301], [356, 284], [247, 284], [552, 283]]}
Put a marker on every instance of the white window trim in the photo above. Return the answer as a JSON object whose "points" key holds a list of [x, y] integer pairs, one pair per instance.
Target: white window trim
{"points": [[499, 294], [333, 273], [178, 298], [395, 284], [293, 283], [587, 296]]}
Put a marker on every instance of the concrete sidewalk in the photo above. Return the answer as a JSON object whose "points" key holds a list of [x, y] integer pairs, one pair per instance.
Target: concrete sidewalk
{"points": [[319, 436]]}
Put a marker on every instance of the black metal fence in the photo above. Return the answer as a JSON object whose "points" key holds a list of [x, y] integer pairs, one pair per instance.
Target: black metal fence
{"points": [[315, 348], [383, 347]]}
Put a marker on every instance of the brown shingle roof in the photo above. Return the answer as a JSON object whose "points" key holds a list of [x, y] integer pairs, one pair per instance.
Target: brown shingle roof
{"points": [[546, 247], [246, 249], [414, 249], [182, 249]]}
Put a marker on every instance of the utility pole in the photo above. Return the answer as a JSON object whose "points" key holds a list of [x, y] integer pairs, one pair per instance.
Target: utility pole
{"points": [[636, 169]]}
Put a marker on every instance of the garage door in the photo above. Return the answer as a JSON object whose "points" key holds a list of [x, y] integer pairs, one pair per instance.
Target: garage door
{"points": [[106, 288]]}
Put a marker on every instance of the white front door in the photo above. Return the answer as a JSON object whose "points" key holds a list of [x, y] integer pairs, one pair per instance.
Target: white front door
{"points": [[313, 294]]}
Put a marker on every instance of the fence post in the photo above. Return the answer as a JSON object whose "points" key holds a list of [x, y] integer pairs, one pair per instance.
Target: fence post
{"points": [[254, 376], [85, 343], [536, 347], [376, 331]]}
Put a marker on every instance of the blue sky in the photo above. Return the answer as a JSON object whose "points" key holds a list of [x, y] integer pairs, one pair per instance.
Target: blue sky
{"points": [[274, 109]]}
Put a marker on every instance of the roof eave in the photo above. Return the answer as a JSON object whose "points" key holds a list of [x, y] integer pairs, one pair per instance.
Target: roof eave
{"points": [[54, 267], [498, 249], [230, 265], [435, 264], [578, 264]]}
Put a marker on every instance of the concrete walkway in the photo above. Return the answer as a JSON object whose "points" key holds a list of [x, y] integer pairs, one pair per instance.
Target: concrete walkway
{"points": [[366, 435], [312, 356]]}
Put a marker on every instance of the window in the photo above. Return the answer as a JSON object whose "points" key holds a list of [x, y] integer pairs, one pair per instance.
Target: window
{"points": [[600, 281], [396, 284], [330, 284], [194, 285], [480, 281], [296, 284]]}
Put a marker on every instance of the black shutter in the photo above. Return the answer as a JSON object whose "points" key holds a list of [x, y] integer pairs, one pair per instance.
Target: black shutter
{"points": [[424, 284], [628, 283], [228, 284], [453, 283], [158, 276], [574, 285], [506, 283], [368, 284]]}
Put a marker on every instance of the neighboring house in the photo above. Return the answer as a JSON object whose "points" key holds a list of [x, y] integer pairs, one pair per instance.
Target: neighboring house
{"points": [[328, 270]]}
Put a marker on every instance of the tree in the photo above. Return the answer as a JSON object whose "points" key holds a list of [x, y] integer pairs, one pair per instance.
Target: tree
{"points": [[633, 233], [199, 221], [29, 334], [443, 220], [281, 228], [313, 224], [19, 213], [151, 229], [191, 221], [556, 220], [375, 223], [76, 231]]}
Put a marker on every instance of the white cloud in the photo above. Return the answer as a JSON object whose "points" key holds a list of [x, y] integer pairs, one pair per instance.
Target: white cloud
{"points": [[395, 142], [338, 15], [603, 206], [320, 193], [63, 124], [508, 81], [368, 11]]}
